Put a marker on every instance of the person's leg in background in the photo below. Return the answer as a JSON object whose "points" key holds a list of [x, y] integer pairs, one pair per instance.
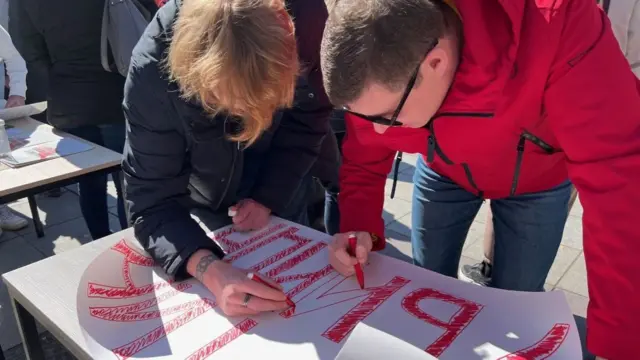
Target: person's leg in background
{"points": [[332, 189], [480, 273], [442, 213], [528, 231], [8, 219], [114, 136], [92, 190]]}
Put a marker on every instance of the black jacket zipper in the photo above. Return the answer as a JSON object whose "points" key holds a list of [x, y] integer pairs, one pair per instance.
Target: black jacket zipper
{"points": [[524, 137], [433, 148], [395, 173]]}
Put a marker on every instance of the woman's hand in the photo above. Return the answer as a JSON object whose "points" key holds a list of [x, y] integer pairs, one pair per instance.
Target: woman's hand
{"points": [[249, 215], [235, 293], [339, 252]]}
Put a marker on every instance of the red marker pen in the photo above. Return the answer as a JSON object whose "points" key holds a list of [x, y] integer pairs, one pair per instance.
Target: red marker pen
{"points": [[257, 278], [353, 242]]}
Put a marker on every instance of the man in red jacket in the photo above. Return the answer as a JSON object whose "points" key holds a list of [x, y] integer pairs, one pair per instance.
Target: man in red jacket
{"points": [[507, 100]]}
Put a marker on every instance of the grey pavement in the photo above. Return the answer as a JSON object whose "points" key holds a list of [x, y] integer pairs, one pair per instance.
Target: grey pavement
{"points": [[65, 229]]}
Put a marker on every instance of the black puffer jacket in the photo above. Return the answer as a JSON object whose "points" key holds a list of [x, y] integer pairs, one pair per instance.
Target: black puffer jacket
{"points": [[177, 161], [60, 41]]}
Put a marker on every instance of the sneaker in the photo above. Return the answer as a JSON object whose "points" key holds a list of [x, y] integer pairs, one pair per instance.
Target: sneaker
{"points": [[479, 274], [10, 221]]}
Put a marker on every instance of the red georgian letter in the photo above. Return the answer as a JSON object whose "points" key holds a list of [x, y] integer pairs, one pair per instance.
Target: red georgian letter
{"points": [[461, 319], [222, 340], [186, 311], [543, 348]]}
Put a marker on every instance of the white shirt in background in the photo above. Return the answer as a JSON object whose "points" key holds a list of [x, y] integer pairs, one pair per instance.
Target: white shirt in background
{"points": [[625, 19], [16, 67]]}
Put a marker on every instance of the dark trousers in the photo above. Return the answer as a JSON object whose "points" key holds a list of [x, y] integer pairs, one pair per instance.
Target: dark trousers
{"points": [[93, 190], [331, 210]]}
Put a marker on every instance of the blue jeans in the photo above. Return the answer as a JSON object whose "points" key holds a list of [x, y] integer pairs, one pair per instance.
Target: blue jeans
{"points": [[528, 229], [93, 188]]}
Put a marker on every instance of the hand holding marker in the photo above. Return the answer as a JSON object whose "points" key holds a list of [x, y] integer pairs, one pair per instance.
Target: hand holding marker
{"points": [[353, 243], [257, 278]]}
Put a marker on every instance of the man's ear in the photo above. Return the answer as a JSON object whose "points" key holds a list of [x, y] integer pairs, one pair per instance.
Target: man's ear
{"points": [[436, 62]]}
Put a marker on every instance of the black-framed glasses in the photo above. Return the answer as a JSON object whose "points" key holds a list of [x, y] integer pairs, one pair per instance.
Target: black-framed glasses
{"points": [[407, 91]]}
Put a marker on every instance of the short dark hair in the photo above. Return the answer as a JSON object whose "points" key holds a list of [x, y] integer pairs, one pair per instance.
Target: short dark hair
{"points": [[379, 41]]}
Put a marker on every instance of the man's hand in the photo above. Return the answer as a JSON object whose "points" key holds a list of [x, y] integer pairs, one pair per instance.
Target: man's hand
{"points": [[232, 287], [339, 256], [250, 215], [14, 101]]}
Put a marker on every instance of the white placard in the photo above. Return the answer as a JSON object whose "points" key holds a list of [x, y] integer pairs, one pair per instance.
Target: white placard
{"points": [[369, 343], [128, 309]]}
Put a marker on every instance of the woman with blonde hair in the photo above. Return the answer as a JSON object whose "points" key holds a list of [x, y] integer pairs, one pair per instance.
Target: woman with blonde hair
{"points": [[225, 117]]}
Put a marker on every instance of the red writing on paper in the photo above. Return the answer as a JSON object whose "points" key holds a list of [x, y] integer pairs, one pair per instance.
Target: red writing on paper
{"points": [[131, 256], [135, 312], [543, 348], [231, 246], [219, 342], [456, 324], [44, 151], [187, 311], [128, 350], [372, 297]]}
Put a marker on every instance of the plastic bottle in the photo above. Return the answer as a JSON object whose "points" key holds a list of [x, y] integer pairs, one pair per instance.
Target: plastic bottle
{"points": [[5, 148]]}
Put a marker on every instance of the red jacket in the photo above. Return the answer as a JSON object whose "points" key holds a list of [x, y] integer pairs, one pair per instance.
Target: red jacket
{"points": [[544, 84]]}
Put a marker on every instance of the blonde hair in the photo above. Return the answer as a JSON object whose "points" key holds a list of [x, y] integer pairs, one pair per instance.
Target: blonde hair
{"points": [[235, 56]]}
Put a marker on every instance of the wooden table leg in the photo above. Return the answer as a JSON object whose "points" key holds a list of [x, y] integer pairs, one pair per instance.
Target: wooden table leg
{"points": [[35, 215], [28, 332]]}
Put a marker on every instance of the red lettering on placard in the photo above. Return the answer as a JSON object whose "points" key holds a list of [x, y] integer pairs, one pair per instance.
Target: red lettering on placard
{"points": [[378, 295], [222, 340], [115, 292], [131, 256], [543, 348], [132, 312], [128, 350], [285, 234], [456, 324], [373, 297], [232, 246]]}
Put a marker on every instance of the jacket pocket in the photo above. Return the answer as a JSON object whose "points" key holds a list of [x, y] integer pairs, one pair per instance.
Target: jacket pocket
{"points": [[525, 137]]}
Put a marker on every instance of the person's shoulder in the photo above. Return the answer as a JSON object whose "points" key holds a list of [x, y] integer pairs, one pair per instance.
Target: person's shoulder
{"points": [[309, 17]]}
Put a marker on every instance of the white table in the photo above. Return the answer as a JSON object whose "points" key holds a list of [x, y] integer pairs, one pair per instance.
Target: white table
{"points": [[27, 181], [38, 295]]}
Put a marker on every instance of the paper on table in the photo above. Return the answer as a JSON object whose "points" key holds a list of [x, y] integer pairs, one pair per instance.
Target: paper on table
{"points": [[129, 309], [44, 151], [20, 112], [368, 343]]}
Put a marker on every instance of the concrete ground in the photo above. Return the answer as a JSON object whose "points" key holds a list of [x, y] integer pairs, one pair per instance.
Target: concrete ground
{"points": [[65, 229]]}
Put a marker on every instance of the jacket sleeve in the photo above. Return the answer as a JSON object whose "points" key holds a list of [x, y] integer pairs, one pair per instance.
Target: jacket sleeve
{"points": [[295, 147], [362, 180], [592, 102], [26, 37], [16, 67], [156, 172]]}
